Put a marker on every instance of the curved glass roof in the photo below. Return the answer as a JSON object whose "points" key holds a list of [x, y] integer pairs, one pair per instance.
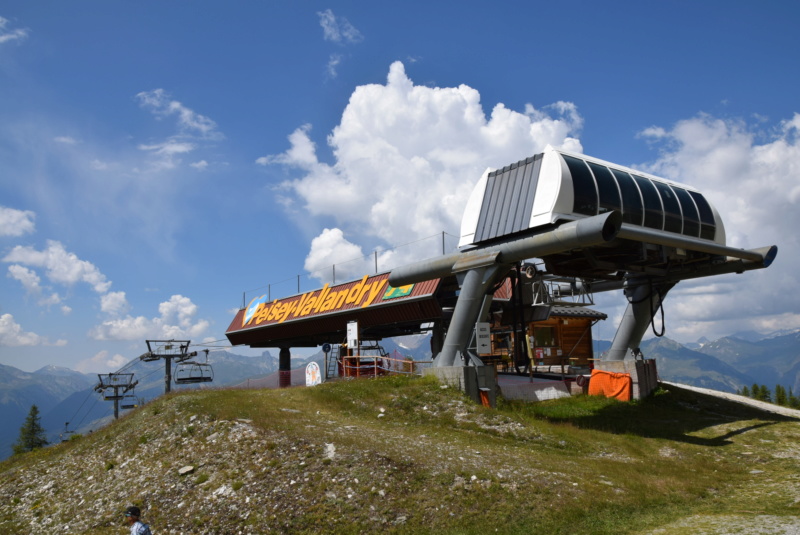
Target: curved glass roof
{"points": [[642, 201]]}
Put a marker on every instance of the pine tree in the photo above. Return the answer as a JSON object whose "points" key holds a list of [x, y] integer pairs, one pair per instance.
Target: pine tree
{"points": [[755, 390], [31, 434], [745, 391], [794, 401], [780, 395], [764, 394]]}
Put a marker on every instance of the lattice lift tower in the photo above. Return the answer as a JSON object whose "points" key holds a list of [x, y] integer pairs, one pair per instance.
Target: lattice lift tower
{"points": [[120, 383], [168, 350]]}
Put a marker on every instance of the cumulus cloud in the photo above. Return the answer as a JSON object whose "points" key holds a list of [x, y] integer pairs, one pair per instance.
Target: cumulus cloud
{"points": [[31, 282], [407, 158], [753, 179], [60, 265], [332, 255], [338, 29], [114, 303], [103, 361], [16, 222], [176, 320], [8, 34], [12, 334]]}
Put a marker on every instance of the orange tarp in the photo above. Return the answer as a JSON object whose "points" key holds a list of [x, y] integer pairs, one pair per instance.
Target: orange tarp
{"points": [[610, 385]]}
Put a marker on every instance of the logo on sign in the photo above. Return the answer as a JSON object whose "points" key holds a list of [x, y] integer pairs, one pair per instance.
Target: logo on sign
{"points": [[400, 291]]}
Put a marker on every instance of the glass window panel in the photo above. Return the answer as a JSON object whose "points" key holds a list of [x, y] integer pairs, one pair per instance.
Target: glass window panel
{"points": [[673, 222], [606, 188], [583, 186], [632, 210], [708, 226], [691, 220], [653, 211], [544, 337]]}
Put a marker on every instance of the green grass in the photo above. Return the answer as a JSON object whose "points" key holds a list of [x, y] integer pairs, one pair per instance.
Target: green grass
{"points": [[419, 458]]}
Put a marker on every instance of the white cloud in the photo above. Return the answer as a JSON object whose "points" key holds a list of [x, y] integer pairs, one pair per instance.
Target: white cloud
{"points": [[189, 121], [176, 320], [101, 362], [11, 333], [30, 281], [753, 179], [331, 251], [338, 29], [114, 303], [333, 64], [16, 222], [27, 277], [8, 34], [408, 156], [60, 265], [98, 165], [202, 165], [66, 140]]}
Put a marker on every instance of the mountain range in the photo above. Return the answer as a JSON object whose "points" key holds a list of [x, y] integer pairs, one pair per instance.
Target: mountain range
{"points": [[68, 402]]}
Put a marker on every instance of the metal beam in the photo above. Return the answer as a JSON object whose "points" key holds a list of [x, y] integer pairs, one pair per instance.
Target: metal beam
{"points": [[579, 234]]}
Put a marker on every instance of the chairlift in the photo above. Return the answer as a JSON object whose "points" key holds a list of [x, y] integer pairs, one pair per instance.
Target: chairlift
{"points": [[191, 372], [128, 402]]}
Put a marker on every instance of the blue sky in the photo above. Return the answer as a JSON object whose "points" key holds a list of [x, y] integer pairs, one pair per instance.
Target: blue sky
{"points": [[159, 160]]}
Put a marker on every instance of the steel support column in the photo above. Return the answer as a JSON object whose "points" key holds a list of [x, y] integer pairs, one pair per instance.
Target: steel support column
{"points": [[644, 299], [285, 367], [471, 302]]}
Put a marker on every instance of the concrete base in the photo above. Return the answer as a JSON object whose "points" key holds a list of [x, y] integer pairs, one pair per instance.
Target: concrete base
{"points": [[524, 389], [644, 374], [469, 379]]}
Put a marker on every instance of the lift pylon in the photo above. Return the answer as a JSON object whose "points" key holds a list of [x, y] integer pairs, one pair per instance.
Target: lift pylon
{"points": [[169, 350], [114, 386]]}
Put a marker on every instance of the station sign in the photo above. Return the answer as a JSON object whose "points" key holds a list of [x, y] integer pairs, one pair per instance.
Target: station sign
{"points": [[359, 294]]}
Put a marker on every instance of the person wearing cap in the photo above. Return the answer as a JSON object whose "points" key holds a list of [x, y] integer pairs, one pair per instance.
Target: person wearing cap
{"points": [[132, 515]]}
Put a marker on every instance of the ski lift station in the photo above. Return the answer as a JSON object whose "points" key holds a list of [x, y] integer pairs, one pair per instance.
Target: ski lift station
{"points": [[512, 307]]}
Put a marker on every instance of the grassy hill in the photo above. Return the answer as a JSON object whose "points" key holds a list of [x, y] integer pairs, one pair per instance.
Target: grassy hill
{"points": [[404, 455]]}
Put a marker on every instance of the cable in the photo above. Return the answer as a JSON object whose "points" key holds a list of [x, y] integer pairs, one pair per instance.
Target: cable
{"points": [[82, 404], [85, 415], [653, 315]]}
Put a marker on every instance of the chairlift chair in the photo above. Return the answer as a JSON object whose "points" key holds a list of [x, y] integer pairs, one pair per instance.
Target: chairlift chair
{"points": [[128, 402], [190, 372]]}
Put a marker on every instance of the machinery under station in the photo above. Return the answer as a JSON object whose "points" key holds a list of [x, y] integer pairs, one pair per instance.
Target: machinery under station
{"points": [[511, 310]]}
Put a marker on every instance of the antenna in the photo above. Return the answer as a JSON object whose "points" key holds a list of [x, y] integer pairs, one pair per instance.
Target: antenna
{"points": [[168, 350], [115, 382]]}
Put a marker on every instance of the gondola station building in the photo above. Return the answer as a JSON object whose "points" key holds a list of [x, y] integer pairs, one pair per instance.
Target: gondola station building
{"points": [[538, 239]]}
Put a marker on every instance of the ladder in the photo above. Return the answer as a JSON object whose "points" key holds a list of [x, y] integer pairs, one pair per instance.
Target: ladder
{"points": [[333, 360]]}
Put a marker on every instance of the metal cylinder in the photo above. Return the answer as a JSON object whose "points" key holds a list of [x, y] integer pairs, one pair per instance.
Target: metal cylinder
{"points": [[586, 232]]}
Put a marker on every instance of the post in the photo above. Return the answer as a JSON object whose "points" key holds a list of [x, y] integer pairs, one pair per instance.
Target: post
{"points": [[167, 374], [116, 403], [285, 368], [376, 261], [443, 249]]}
